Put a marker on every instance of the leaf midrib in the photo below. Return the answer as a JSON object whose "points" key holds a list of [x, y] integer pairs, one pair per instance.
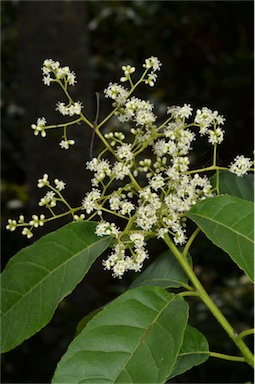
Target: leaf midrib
{"points": [[51, 272], [144, 335], [223, 225]]}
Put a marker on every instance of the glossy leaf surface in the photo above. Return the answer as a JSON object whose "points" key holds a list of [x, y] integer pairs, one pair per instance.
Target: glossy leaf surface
{"points": [[38, 277], [135, 339], [228, 222], [231, 184], [194, 351], [165, 272]]}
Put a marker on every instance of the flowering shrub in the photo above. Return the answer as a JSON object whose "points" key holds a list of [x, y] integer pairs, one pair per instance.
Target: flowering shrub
{"points": [[144, 177]]}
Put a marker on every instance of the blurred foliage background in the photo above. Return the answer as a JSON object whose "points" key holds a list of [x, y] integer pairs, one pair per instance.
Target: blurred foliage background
{"points": [[206, 50]]}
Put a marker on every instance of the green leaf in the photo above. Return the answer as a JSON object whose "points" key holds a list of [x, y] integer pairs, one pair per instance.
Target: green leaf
{"points": [[84, 321], [231, 184], [165, 272], [135, 339], [194, 351], [228, 222], [38, 277]]}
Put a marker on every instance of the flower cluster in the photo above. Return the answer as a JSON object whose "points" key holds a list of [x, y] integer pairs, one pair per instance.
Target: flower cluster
{"points": [[120, 262], [53, 72], [159, 188], [241, 165], [207, 119], [60, 73], [39, 127], [131, 108], [69, 110], [49, 201]]}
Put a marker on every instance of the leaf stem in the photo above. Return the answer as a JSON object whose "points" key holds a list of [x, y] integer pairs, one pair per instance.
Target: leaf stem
{"points": [[227, 357], [190, 241], [248, 356], [188, 293], [245, 333]]}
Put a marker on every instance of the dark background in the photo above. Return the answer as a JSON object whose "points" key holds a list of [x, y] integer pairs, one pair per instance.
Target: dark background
{"points": [[206, 50]]}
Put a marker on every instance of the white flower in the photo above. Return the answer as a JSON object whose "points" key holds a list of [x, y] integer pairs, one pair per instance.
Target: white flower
{"points": [[140, 255], [128, 70], [115, 202], [124, 152], [181, 163], [151, 79], [62, 72], [71, 78], [101, 168], [89, 201], [145, 165], [157, 182], [74, 109], [117, 93], [44, 181], [219, 119], [126, 207], [48, 199], [37, 221], [241, 165], [39, 127], [161, 233], [50, 65], [27, 232], [21, 219], [185, 111], [120, 170], [104, 228], [65, 144], [152, 62], [206, 117], [60, 185], [180, 112], [12, 225], [62, 108], [144, 117], [92, 164], [160, 147], [172, 173], [180, 237], [138, 239], [47, 80], [146, 217], [119, 269], [79, 218], [216, 136]]}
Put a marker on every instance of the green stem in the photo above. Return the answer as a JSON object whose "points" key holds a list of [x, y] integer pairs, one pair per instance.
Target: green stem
{"points": [[209, 303], [227, 357], [63, 125], [117, 107], [215, 154], [207, 169], [188, 293], [248, 332], [70, 212], [190, 241]]}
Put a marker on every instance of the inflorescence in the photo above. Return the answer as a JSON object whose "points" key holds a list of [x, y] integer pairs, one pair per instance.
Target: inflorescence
{"points": [[152, 192]]}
